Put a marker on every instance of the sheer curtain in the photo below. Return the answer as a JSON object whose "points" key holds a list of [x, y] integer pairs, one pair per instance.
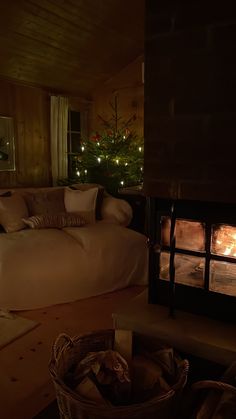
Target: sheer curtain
{"points": [[59, 121]]}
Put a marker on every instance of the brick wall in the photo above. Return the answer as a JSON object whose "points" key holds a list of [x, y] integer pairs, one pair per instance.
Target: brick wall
{"points": [[190, 93]]}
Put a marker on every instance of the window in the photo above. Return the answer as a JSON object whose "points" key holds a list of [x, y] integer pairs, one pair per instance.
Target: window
{"points": [[73, 140]]}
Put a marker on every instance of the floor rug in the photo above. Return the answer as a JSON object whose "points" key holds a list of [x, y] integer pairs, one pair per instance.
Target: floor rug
{"points": [[13, 326]]}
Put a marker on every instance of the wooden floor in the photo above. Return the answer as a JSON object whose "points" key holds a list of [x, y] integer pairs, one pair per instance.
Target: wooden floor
{"points": [[25, 385]]}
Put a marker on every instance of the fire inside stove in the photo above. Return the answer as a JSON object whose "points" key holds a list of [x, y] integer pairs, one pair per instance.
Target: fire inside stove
{"points": [[192, 264], [192, 251]]}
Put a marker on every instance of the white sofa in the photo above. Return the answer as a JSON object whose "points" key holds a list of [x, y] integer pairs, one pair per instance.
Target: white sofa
{"points": [[46, 266]]}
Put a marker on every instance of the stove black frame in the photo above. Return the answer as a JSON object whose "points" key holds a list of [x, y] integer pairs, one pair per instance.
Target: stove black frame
{"points": [[178, 296]]}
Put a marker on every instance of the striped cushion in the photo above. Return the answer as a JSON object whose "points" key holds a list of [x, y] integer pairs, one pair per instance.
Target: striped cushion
{"points": [[4, 194], [59, 220]]}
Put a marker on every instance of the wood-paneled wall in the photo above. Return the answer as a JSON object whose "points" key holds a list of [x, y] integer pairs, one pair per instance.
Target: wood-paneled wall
{"points": [[30, 108], [129, 88]]}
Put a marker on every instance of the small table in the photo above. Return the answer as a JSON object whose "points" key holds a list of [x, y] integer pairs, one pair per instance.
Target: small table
{"points": [[135, 197]]}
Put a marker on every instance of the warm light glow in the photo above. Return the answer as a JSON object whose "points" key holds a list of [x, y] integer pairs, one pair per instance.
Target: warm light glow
{"points": [[99, 159], [140, 149], [225, 240], [78, 173], [85, 171], [122, 182], [124, 137], [82, 148], [98, 144], [117, 161], [141, 169], [227, 251], [126, 164]]}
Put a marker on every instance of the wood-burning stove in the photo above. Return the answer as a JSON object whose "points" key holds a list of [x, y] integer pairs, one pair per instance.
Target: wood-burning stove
{"points": [[193, 256], [189, 155]]}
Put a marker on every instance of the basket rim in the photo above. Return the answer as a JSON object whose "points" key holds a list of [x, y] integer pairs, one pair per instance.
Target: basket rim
{"points": [[85, 403], [69, 393]]}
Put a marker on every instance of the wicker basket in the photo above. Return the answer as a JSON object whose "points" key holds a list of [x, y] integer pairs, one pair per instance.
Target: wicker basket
{"points": [[67, 352], [217, 390]]}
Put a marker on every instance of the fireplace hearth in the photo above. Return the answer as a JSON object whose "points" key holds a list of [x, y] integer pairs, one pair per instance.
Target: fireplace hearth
{"points": [[193, 257]]}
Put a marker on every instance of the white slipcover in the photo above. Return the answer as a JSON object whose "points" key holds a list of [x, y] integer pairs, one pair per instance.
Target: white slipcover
{"points": [[39, 268]]}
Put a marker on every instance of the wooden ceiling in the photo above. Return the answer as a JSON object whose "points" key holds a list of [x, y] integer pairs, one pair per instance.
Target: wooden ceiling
{"points": [[69, 45]]}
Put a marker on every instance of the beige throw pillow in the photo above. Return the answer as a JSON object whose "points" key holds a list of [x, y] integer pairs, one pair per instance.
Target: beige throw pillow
{"points": [[12, 210], [82, 202], [60, 220], [100, 195]]}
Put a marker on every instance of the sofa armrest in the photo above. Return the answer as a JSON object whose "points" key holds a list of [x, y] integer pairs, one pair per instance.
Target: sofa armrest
{"points": [[116, 210]]}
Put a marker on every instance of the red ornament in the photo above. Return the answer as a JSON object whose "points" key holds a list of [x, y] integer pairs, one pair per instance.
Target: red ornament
{"points": [[96, 137]]}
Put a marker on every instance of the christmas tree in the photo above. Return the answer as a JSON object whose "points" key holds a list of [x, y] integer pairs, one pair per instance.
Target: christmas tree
{"points": [[112, 157]]}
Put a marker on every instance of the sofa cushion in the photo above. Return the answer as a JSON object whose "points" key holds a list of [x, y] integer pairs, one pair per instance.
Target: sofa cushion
{"points": [[82, 202], [3, 194], [59, 220], [12, 209], [100, 195], [45, 201]]}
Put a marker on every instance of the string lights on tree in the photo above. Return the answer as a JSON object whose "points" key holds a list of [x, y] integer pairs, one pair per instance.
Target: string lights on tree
{"points": [[112, 157]]}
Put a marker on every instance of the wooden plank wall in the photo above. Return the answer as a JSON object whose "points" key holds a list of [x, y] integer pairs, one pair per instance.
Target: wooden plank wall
{"points": [[129, 88], [69, 46], [29, 107]]}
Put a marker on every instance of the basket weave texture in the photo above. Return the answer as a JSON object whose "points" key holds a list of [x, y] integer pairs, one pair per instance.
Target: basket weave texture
{"points": [[67, 352], [220, 400]]}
